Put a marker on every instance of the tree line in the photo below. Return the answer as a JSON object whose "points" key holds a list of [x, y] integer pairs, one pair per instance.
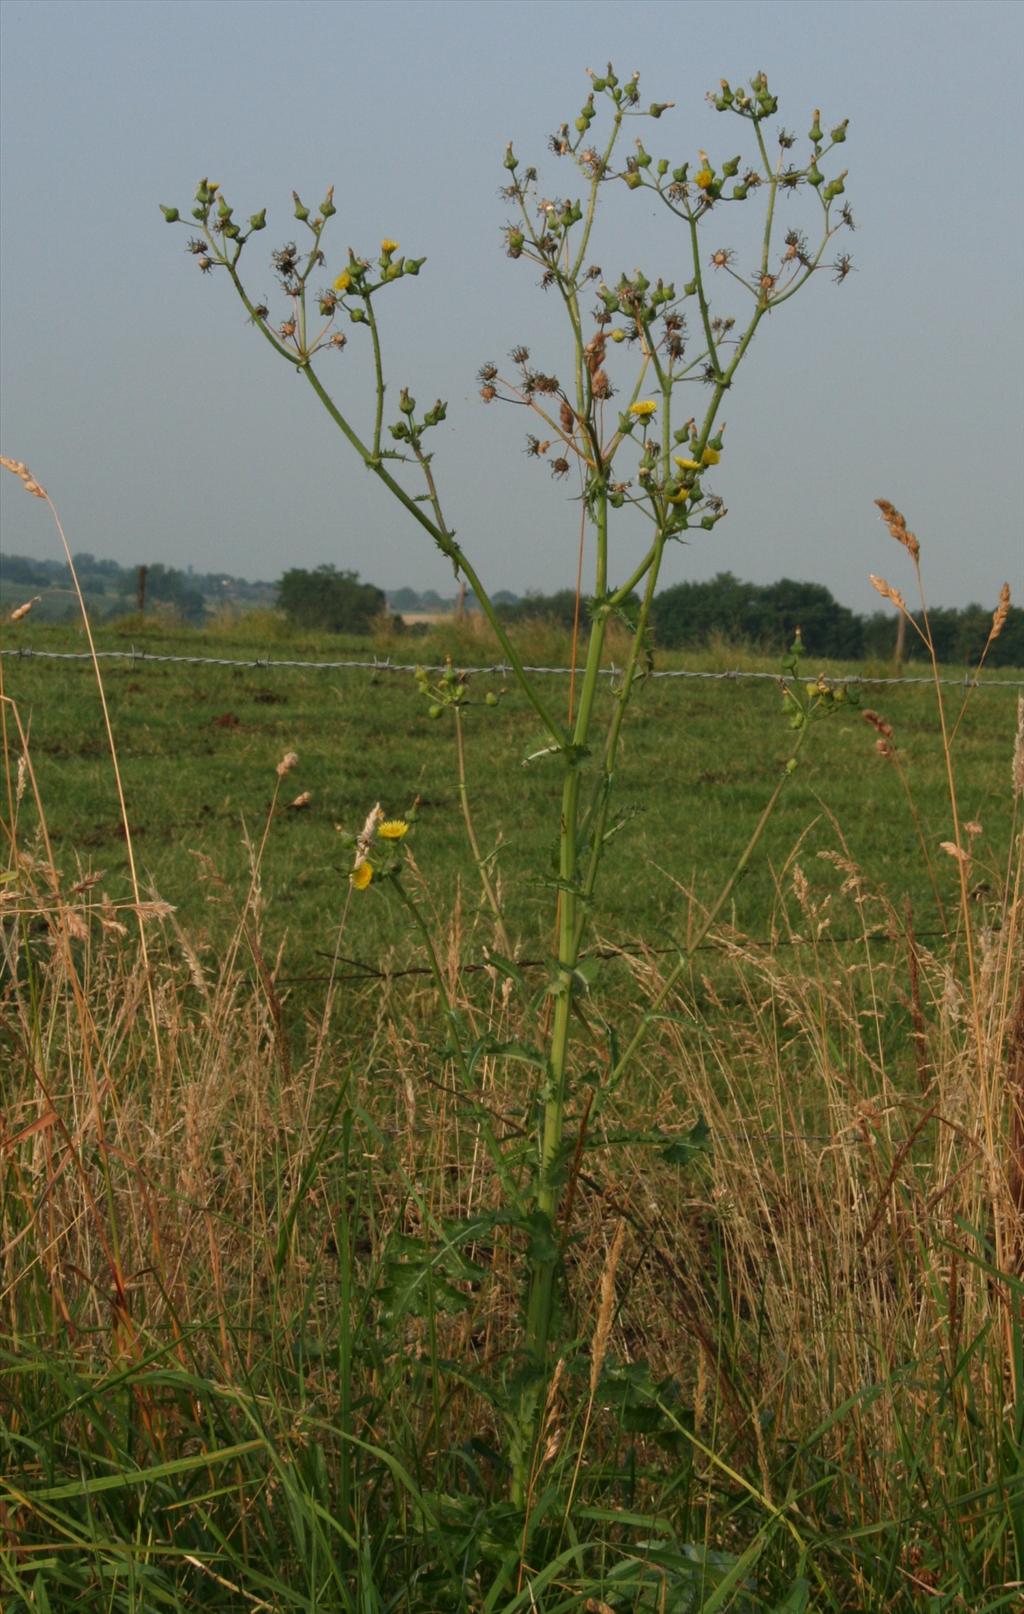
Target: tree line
{"points": [[685, 616]]}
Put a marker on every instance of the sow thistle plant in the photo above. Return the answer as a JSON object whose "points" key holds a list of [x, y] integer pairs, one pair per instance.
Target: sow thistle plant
{"points": [[633, 411]]}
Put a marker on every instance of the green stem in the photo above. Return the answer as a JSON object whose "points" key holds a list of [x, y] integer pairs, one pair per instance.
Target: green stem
{"points": [[540, 1293], [597, 816], [445, 541], [378, 373]]}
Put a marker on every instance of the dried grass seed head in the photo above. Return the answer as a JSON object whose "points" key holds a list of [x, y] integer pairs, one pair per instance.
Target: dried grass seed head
{"points": [[897, 525], [1000, 614], [887, 591], [21, 470]]}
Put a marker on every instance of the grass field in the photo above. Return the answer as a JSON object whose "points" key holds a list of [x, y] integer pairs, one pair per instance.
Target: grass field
{"points": [[261, 1308], [199, 746]]}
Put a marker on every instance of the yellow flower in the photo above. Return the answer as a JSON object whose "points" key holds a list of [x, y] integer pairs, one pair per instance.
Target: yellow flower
{"points": [[680, 497], [343, 281], [361, 876], [393, 829], [644, 409], [389, 246], [704, 178], [711, 456], [686, 465]]}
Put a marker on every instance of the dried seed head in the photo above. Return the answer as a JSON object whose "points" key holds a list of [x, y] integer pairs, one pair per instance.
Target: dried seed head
{"points": [[289, 761], [887, 591], [897, 525], [606, 1308], [364, 840], [301, 801], [21, 470], [1001, 612], [23, 610], [878, 722]]}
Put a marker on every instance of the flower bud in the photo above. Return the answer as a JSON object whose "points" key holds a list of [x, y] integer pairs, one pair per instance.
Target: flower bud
{"points": [[633, 180], [731, 167], [511, 160], [490, 699], [600, 83], [357, 316], [815, 129], [258, 221], [839, 132], [327, 207], [171, 214], [740, 193], [662, 167], [815, 176], [199, 212], [690, 289], [300, 211], [435, 711], [406, 404], [656, 108], [679, 174]]}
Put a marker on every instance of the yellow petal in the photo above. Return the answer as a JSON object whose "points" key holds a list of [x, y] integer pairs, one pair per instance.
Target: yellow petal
{"points": [[361, 876], [393, 829]]}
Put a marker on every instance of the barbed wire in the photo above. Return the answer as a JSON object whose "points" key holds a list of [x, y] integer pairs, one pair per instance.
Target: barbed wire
{"points": [[139, 657]]}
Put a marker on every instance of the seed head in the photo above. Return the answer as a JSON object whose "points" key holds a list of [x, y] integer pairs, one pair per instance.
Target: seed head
{"points": [[21, 470], [897, 525], [887, 591], [1000, 614]]}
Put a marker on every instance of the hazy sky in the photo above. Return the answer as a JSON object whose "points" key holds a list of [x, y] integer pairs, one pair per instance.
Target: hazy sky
{"points": [[168, 430]]}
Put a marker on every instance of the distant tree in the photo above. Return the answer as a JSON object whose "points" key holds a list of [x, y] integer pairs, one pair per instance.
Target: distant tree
{"points": [[766, 615], [404, 599], [16, 569], [327, 598], [167, 586]]}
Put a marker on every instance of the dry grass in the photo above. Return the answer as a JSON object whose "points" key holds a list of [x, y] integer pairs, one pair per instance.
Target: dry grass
{"points": [[218, 1219]]}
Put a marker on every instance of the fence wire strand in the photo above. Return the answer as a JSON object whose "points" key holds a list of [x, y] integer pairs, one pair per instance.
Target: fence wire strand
{"points": [[140, 657]]}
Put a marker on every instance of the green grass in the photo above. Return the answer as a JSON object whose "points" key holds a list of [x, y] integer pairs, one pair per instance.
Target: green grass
{"points": [[198, 747]]}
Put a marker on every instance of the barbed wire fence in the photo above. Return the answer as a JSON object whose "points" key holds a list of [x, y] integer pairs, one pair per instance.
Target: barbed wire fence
{"points": [[139, 657]]}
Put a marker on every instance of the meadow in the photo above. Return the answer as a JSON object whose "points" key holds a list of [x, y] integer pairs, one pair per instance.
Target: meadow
{"points": [[260, 1277]]}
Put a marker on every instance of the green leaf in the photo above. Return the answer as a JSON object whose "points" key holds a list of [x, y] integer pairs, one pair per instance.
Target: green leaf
{"points": [[796, 1600], [682, 1151]]}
